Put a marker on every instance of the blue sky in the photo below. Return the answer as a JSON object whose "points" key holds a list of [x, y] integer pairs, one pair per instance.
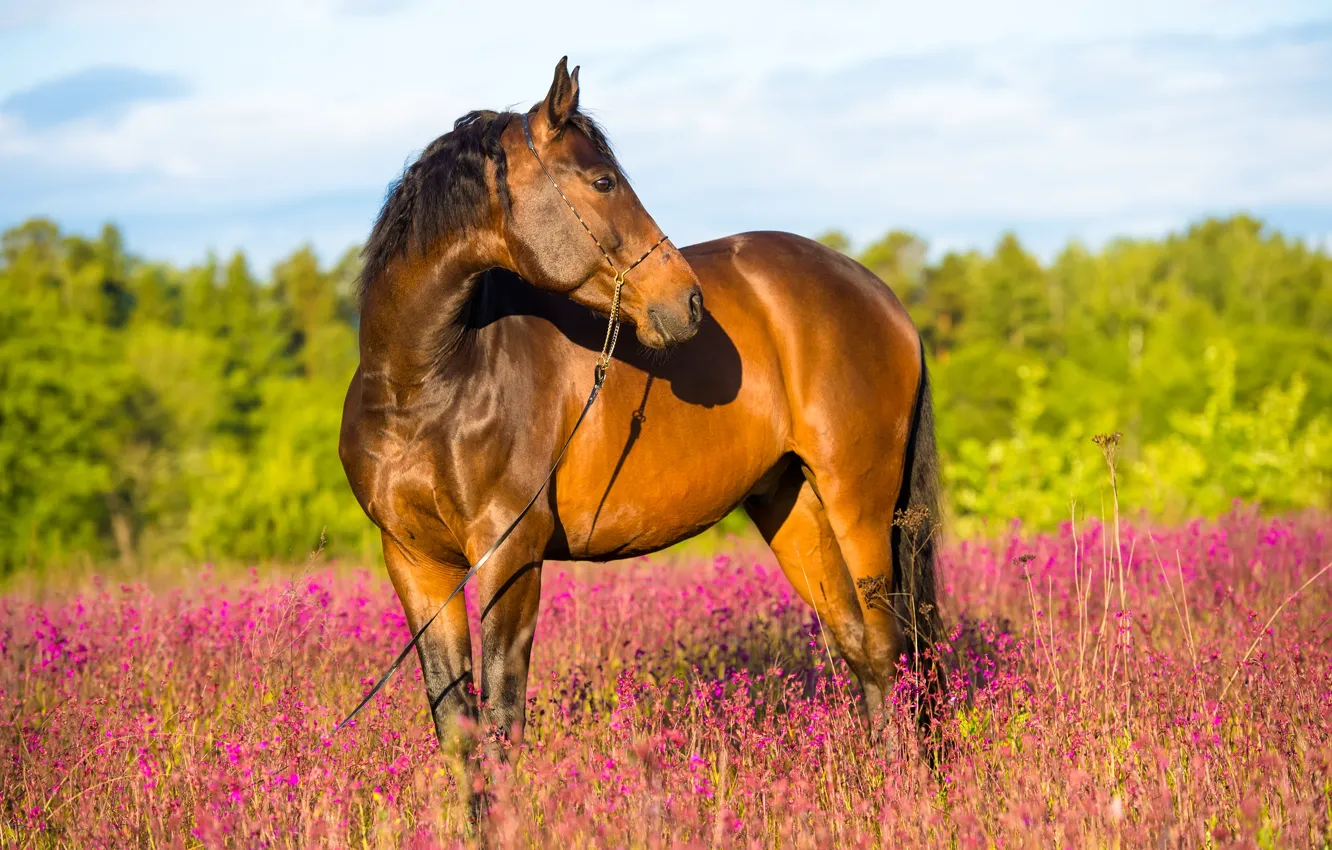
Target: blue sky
{"points": [[264, 124]]}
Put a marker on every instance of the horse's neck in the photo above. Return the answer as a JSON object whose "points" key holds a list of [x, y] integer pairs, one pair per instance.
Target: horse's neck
{"points": [[414, 334]]}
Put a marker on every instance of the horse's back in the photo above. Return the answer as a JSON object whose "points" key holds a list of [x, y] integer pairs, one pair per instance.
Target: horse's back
{"points": [[845, 343], [805, 284]]}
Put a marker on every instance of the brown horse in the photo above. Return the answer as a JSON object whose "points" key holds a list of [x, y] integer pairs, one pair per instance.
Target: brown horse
{"points": [[799, 393]]}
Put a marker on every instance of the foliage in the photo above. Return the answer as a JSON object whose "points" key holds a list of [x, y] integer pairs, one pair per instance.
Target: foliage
{"points": [[149, 412], [691, 704], [1030, 474], [63, 388], [1210, 350], [1270, 454]]}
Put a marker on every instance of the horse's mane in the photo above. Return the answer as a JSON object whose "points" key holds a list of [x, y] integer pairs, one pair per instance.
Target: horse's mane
{"points": [[444, 191]]}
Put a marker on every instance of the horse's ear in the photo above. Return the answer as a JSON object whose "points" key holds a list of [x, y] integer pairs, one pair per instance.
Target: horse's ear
{"points": [[562, 100]]}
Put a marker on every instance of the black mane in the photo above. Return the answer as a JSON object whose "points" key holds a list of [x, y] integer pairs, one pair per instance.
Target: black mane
{"points": [[444, 191]]}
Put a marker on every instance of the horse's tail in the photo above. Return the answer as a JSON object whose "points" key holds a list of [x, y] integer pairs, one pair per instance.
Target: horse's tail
{"points": [[916, 528]]}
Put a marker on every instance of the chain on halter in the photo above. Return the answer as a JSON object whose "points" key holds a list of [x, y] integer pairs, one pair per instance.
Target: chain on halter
{"points": [[613, 329]]}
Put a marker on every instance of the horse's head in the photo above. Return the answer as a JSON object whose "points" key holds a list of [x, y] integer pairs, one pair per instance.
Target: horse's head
{"points": [[553, 250]]}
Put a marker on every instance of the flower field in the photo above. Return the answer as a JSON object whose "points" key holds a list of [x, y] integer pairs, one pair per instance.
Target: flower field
{"points": [[1173, 690]]}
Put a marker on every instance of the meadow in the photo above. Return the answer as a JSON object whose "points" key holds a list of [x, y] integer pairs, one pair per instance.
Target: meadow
{"points": [[1136, 686]]}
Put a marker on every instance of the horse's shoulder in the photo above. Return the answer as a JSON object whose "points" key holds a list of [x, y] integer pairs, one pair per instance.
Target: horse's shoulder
{"points": [[396, 468]]}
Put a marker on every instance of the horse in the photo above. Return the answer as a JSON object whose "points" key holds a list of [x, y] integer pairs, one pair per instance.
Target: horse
{"points": [[773, 373]]}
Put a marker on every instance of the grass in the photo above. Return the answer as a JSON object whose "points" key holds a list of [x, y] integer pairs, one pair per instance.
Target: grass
{"points": [[1174, 689]]}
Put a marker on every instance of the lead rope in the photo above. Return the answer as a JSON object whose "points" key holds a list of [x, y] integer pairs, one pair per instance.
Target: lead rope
{"points": [[598, 380]]}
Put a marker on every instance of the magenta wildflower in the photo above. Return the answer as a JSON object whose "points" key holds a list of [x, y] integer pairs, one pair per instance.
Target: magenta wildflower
{"points": [[685, 701]]}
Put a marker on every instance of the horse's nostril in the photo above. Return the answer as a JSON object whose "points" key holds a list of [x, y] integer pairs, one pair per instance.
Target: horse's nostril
{"points": [[695, 306], [658, 324]]}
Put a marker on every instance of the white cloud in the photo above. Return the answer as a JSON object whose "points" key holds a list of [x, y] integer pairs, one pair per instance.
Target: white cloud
{"points": [[46, 12], [861, 117]]}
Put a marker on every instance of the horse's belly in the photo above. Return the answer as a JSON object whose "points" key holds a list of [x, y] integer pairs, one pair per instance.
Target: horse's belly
{"points": [[663, 468]]}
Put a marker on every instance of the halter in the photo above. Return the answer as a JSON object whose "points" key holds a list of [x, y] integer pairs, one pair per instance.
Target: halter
{"points": [[613, 329], [598, 379]]}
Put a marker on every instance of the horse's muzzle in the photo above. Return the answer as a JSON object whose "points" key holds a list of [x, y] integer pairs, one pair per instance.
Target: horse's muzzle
{"points": [[673, 324]]}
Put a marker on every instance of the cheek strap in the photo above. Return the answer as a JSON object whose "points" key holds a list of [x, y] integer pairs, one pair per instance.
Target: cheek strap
{"points": [[613, 330]]}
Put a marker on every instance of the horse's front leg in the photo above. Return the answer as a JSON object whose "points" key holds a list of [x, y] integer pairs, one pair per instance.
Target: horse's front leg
{"points": [[445, 649], [509, 594]]}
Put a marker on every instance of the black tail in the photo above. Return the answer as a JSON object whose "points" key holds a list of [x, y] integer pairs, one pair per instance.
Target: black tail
{"points": [[916, 528]]}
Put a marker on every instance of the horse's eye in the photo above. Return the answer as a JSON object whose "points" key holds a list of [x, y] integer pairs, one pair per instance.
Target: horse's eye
{"points": [[603, 184]]}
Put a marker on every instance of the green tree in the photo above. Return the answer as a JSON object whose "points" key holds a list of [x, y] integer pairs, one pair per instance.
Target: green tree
{"points": [[149, 412], [66, 407]]}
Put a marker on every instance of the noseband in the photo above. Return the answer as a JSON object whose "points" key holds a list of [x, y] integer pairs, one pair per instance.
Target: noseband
{"points": [[598, 379], [613, 329]]}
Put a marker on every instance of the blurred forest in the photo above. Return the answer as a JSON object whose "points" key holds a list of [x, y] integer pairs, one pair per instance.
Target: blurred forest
{"points": [[149, 412]]}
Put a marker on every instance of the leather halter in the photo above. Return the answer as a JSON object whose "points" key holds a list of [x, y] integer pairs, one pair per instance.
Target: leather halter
{"points": [[598, 379]]}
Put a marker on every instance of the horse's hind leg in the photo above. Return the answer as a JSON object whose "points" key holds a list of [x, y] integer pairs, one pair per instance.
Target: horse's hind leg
{"points": [[793, 522], [860, 514]]}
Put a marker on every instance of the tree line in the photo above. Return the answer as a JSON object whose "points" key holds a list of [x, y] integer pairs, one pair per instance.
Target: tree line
{"points": [[150, 412]]}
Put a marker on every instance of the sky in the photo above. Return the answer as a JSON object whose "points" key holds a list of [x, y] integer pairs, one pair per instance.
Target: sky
{"points": [[266, 124]]}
